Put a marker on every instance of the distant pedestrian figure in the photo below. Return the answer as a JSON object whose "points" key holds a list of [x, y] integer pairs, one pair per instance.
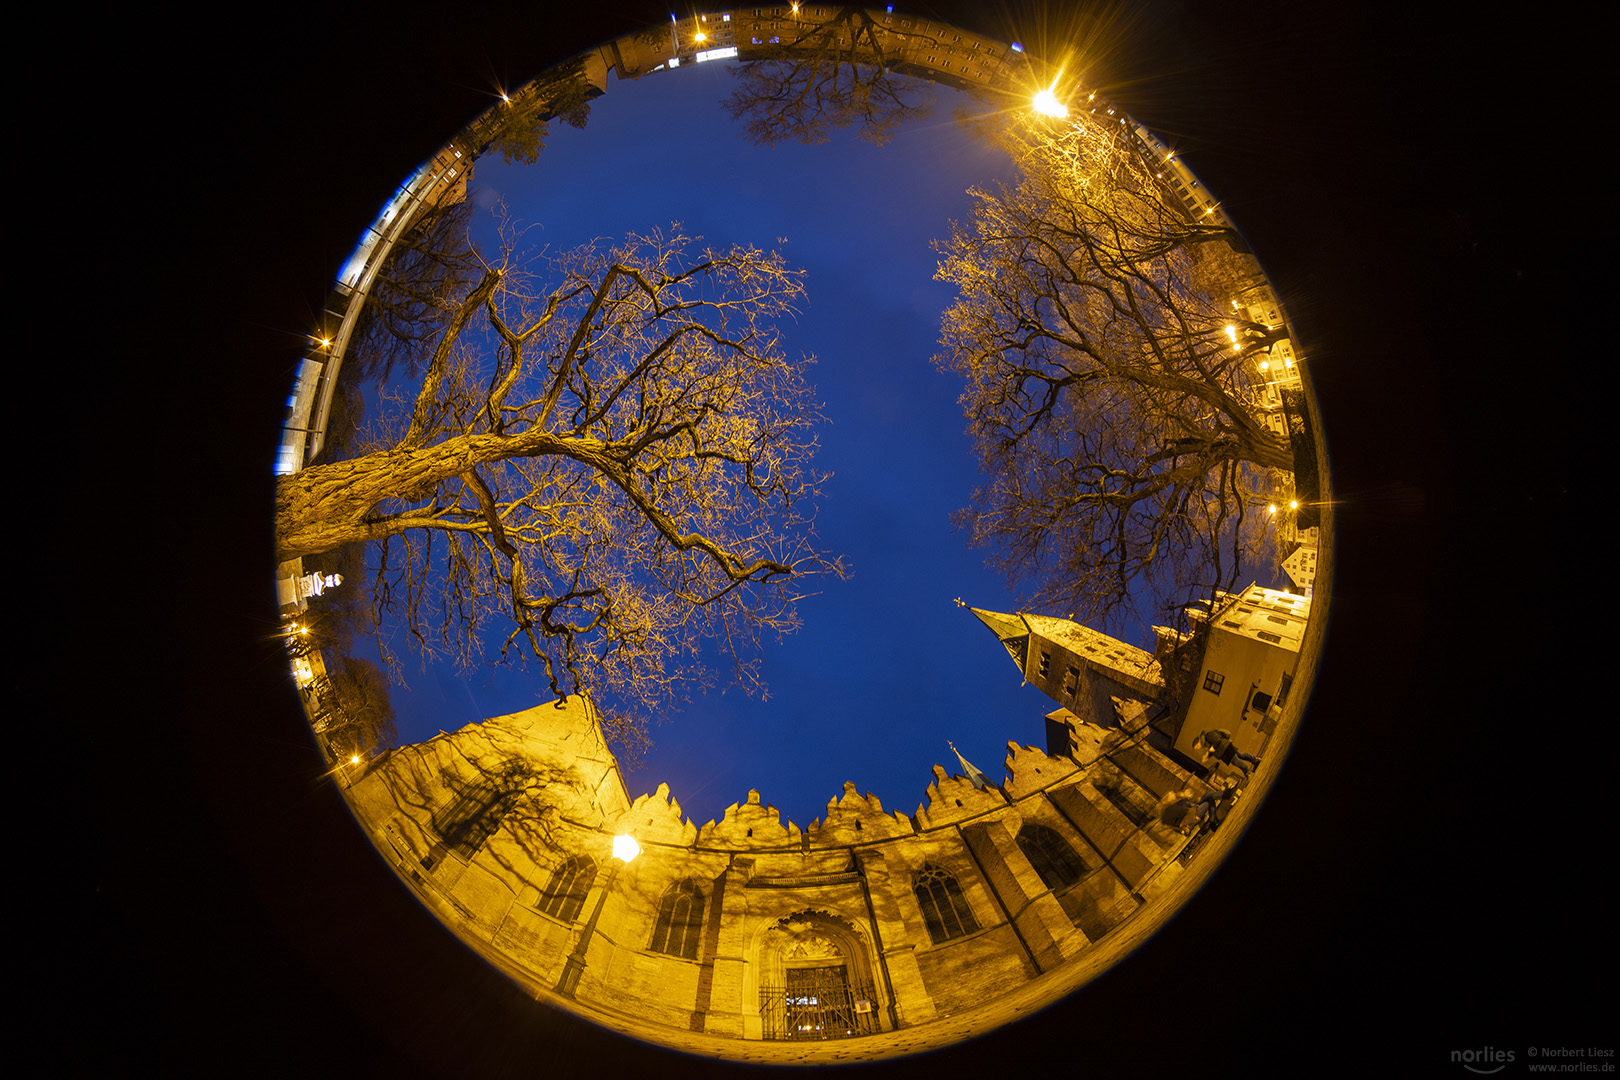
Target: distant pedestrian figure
{"points": [[1216, 745], [1186, 811]]}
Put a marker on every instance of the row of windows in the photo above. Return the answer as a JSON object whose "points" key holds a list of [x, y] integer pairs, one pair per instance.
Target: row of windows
{"points": [[473, 816], [944, 909]]}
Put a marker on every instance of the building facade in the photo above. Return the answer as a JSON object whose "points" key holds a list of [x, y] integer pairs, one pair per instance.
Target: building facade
{"points": [[1239, 679], [753, 928]]}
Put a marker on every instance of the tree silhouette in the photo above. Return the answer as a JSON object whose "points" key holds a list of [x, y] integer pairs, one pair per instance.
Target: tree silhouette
{"points": [[519, 127], [823, 76], [1112, 395], [362, 717], [608, 454]]}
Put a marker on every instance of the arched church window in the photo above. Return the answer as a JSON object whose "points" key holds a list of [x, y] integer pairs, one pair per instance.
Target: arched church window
{"points": [[680, 920], [1051, 856], [944, 908], [464, 823], [1129, 799], [570, 883]]}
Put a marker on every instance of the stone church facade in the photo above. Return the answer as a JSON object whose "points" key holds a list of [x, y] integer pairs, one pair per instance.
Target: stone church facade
{"points": [[752, 928]]}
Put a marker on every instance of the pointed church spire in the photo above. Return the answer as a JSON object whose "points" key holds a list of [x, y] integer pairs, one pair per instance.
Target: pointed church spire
{"points": [[974, 776], [1010, 630]]}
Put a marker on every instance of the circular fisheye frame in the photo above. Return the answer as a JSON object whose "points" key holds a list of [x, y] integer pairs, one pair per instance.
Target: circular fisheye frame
{"points": [[602, 459]]}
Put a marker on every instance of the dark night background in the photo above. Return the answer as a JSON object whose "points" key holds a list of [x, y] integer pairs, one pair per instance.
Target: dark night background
{"points": [[1425, 190]]}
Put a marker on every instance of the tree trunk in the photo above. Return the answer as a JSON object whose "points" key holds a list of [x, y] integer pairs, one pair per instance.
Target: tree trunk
{"points": [[327, 506], [1270, 450]]}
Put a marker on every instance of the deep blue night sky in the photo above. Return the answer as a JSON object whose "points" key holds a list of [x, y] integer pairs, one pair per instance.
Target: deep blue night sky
{"points": [[886, 668]]}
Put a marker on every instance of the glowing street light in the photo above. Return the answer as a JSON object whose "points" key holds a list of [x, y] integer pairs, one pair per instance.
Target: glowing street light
{"points": [[625, 848], [1047, 104]]}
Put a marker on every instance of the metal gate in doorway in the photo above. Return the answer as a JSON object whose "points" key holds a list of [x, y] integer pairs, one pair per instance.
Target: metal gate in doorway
{"points": [[817, 1003]]}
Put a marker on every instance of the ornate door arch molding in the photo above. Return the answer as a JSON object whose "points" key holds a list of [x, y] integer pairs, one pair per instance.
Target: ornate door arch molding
{"points": [[798, 944]]}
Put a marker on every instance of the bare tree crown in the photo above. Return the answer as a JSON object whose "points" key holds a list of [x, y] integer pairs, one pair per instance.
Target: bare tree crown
{"points": [[824, 76], [1115, 414], [609, 453]]}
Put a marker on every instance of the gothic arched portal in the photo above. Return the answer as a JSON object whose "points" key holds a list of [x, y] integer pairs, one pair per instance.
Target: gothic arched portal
{"points": [[814, 979]]}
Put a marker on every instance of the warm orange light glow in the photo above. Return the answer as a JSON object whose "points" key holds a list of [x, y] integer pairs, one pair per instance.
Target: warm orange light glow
{"points": [[625, 848], [1048, 105]]}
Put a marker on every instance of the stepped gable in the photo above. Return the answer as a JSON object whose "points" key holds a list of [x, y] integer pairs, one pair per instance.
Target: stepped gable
{"points": [[1029, 769], [855, 818], [750, 825], [657, 818], [954, 798], [1085, 739]]}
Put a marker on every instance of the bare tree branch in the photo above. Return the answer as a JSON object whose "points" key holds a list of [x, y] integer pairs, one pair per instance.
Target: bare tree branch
{"points": [[1111, 394], [818, 77], [609, 453]]}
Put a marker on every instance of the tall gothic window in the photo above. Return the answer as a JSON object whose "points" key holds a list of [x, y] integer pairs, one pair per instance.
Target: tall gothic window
{"points": [[944, 908], [570, 883], [1128, 799], [464, 823], [1051, 856], [680, 920]]}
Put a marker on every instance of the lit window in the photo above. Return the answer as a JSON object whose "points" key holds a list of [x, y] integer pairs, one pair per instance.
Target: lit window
{"points": [[1213, 681]]}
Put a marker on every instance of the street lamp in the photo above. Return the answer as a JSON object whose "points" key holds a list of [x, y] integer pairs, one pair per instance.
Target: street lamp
{"points": [[1047, 104], [625, 848]]}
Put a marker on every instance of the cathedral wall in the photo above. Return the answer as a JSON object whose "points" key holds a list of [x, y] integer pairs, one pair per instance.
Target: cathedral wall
{"points": [[488, 821]]}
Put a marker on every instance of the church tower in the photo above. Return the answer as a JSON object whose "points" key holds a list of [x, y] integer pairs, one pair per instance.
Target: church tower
{"points": [[1077, 667]]}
